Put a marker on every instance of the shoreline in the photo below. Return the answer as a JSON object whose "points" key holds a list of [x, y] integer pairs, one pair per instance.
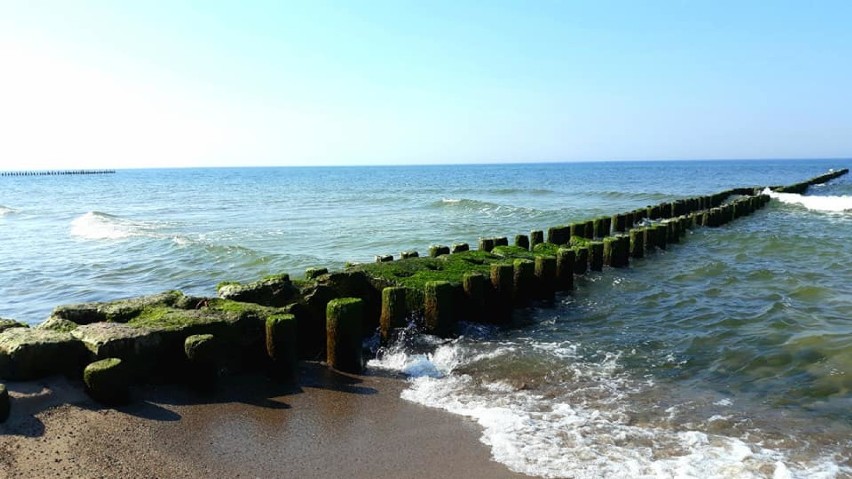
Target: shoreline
{"points": [[331, 425]]}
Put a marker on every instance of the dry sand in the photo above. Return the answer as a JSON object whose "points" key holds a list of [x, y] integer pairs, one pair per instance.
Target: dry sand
{"points": [[332, 426]]}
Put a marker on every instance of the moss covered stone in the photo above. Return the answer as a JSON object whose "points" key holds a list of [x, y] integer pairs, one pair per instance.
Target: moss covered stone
{"points": [[107, 381], [5, 405], [134, 345], [31, 353], [9, 324], [282, 346], [119, 311], [274, 291], [344, 317], [394, 311], [58, 324]]}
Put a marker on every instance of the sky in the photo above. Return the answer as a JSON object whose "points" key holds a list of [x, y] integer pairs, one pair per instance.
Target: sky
{"points": [[128, 84]]}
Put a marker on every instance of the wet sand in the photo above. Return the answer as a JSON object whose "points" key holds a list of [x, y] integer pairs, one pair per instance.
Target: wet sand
{"points": [[333, 425]]}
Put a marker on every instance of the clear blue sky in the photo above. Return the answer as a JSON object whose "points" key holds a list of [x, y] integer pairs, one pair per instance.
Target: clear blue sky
{"points": [[177, 83]]}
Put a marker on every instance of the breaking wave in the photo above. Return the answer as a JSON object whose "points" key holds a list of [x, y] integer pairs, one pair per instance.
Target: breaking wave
{"points": [[581, 429], [836, 204], [96, 225], [5, 210]]}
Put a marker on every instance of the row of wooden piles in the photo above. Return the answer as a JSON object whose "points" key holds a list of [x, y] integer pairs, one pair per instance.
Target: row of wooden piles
{"points": [[568, 251]]}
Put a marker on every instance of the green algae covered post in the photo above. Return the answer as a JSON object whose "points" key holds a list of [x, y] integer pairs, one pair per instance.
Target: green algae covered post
{"points": [[590, 229], [536, 237], [394, 311], [486, 244], [565, 268], [313, 273], [524, 280], [545, 275], [629, 221], [522, 241], [107, 381], [672, 234], [282, 345], [5, 406], [503, 284], [596, 255], [581, 260], [409, 254], [475, 287], [558, 235], [438, 307], [501, 241], [619, 222], [459, 248], [202, 352], [637, 242], [577, 229], [344, 317]]}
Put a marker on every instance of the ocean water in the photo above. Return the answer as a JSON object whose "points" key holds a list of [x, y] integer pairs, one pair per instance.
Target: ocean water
{"points": [[728, 355]]}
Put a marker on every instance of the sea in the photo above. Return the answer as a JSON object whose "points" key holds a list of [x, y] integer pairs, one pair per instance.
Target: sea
{"points": [[727, 355]]}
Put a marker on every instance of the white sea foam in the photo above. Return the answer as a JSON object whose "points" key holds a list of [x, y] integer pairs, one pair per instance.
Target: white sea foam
{"points": [[102, 226], [814, 203], [5, 210], [580, 434]]}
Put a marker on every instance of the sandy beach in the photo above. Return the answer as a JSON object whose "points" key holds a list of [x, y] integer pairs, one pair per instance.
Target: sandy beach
{"points": [[332, 425]]}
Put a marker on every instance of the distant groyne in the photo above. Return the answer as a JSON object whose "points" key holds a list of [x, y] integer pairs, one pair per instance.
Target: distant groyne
{"points": [[271, 323], [56, 172]]}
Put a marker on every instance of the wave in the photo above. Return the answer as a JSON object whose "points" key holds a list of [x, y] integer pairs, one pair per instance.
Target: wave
{"points": [[836, 204], [5, 210], [619, 195], [97, 225], [585, 430], [486, 208]]}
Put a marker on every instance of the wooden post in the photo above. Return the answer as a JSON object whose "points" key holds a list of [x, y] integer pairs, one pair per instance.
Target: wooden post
{"points": [[637, 242], [596, 255], [4, 403], [282, 346], [438, 307], [536, 237], [459, 248], [545, 275], [486, 244], [474, 285], [522, 241], [524, 275], [581, 260], [344, 317], [394, 312], [565, 268], [503, 284]]}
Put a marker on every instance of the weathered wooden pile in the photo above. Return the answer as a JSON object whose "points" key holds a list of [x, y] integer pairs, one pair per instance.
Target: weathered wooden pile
{"points": [[272, 323]]}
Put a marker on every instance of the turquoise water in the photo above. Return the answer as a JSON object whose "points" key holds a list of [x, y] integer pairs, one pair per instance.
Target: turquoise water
{"points": [[729, 355]]}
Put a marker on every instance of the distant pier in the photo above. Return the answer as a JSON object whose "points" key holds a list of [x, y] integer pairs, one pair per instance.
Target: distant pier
{"points": [[56, 172]]}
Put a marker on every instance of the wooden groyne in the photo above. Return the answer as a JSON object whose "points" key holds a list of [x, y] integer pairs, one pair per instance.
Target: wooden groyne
{"points": [[271, 323], [56, 172]]}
